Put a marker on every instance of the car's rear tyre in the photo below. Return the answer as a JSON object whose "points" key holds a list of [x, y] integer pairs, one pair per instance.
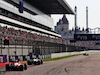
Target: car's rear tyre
{"points": [[21, 67], [25, 66], [7, 67], [41, 62]]}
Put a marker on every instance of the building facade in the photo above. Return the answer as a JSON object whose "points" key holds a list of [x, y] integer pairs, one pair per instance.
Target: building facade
{"points": [[31, 32], [62, 27]]}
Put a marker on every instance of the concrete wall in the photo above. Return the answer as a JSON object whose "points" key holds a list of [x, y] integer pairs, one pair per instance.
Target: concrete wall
{"points": [[54, 55]]}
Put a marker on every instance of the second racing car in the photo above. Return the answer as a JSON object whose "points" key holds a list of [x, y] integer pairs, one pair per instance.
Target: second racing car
{"points": [[35, 61]]}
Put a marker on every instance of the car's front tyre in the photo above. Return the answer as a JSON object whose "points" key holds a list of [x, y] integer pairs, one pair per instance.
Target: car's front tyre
{"points": [[7, 67]]}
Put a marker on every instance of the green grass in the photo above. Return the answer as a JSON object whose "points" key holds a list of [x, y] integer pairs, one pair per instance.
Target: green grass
{"points": [[58, 58], [24, 61]]}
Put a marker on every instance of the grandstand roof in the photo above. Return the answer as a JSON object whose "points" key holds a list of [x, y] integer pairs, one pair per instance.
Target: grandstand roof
{"points": [[6, 20], [52, 6]]}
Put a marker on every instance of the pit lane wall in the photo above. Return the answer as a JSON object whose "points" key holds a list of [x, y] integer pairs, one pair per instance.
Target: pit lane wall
{"points": [[55, 55]]}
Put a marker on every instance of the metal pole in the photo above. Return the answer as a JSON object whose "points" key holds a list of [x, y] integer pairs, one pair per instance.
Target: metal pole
{"points": [[41, 49], [48, 46], [55, 44], [28, 47], [75, 18], [87, 19], [31, 41], [15, 47], [8, 50], [44, 49], [22, 47], [1, 46]]}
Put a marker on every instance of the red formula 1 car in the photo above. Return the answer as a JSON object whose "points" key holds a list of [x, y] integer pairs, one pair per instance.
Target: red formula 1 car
{"points": [[16, 66]]}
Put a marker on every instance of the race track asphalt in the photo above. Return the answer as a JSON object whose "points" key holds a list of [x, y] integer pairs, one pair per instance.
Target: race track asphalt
{"points": [[78, 65]]}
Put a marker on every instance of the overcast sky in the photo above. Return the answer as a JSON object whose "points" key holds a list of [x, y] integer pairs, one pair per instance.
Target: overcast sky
{"points": [[93, 17]]}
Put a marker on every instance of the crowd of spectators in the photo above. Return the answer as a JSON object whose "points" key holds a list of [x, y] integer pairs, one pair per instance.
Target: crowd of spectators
{"points": [[23, 37], [19, 36], [88, 44]]}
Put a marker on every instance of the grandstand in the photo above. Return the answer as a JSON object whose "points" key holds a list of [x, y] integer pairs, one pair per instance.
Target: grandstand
{"points": [[31, 32], [90, 41]]}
